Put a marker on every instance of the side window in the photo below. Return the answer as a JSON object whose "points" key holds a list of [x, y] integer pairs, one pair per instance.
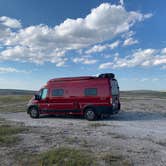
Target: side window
{"points": [[44, 93], [90, 92], [57, 92]]}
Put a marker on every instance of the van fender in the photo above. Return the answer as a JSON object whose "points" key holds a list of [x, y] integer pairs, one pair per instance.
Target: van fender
{"points": [[91, 106], [32, 106]]}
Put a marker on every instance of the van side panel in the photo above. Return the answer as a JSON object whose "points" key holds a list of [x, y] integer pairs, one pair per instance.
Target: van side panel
{"points": [[74, 100], [83, 101]]}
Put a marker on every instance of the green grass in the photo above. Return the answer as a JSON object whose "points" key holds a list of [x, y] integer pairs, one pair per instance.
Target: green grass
{"points": [[13, 103], [8, 134], [65, 156], [144, 94], [115, 159], [96, 124], [8, 99], [60, 157]]}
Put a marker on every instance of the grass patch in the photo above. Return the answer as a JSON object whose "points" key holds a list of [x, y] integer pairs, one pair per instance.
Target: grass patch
{"points": [[72, 140], [60, 156], [115, 159], [8, 134], [143, 94], [13, 103], [8, 99], [95, 125]]}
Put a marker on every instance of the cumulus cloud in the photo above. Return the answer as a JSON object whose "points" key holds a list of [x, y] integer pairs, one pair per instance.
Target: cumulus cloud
{"points": [[100, 48], [40, 43], [121, 2], [130, 41], [84, 60], [144, 58], [10, 22], [10, 70]]}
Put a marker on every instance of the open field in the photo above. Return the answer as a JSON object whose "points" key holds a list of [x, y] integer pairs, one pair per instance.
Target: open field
{"points": [[136, 136]]}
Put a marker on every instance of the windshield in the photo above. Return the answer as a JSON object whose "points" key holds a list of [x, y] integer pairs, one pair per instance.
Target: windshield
{"points": [[43, 93]]}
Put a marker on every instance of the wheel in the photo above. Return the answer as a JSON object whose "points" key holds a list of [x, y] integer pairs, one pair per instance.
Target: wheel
{"points": [[34, 113], [90, 114]]}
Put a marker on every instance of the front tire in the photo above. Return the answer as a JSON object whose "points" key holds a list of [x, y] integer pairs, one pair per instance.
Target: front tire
{"points": [[90, 114], [34, 113]]}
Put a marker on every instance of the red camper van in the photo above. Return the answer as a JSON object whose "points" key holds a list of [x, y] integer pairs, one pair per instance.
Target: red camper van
{"points": [[87, 96]]}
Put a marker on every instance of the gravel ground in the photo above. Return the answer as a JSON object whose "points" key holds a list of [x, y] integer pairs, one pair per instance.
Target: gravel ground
{"points": [[138, 132]]}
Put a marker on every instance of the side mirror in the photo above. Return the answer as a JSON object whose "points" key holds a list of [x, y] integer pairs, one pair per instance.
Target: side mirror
{"points": [[37, 97]]}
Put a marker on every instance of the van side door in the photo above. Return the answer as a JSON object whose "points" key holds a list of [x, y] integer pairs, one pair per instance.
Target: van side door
{"points": [[59, 102]]}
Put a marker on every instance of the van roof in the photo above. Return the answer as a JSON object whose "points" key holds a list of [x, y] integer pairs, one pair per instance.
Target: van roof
{"points": [[72, 78], [101, 76]]}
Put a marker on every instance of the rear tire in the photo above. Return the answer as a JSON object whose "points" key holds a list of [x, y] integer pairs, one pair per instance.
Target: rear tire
{"points": [[90, 114], [34, 113]]}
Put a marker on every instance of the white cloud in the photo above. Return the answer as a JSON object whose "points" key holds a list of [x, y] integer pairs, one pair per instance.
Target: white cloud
{"points": [[130, 41], [40, 43], [96, 48], [84, 60], [148, 15], [33, 55], [155, 79], [106, 65], [114, 44], [10, 70], [144, 79], [128, 34], [100, 48], [107, 55], [110, 55], [151, 79], [10, 22], [163, 51], [144, 58], [121, 2]]}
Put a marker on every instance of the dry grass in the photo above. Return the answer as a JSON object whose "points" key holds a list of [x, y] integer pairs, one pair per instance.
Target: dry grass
{"points": [[112, 159], [97, 124], [61, 156], [13, 103], [8, 134]]}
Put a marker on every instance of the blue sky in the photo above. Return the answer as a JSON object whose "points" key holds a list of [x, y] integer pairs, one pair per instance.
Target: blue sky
{"points": [[40, 40]]}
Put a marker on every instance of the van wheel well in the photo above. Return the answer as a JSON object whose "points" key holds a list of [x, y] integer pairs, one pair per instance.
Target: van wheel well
{"points": [[88, 107], [33, 112], [32, 106]]}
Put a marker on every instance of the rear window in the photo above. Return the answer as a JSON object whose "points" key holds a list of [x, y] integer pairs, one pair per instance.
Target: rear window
{"points": [[57, 92], [90, 92]]}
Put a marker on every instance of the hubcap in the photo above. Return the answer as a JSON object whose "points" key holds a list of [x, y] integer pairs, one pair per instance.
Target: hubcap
{"points": [[90, 114], [34, 113]]}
